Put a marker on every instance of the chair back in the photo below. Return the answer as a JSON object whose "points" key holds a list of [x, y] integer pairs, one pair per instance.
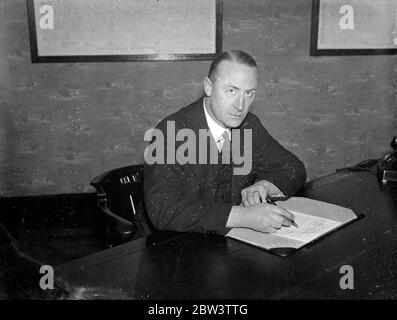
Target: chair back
{"points": [[120, 201]]}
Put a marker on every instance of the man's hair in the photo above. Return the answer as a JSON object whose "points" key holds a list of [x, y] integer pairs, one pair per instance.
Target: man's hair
{"points": [[232, 56]]}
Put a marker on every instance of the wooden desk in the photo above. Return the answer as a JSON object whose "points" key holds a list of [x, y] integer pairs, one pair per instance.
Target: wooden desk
{"points": [[203, 266]]}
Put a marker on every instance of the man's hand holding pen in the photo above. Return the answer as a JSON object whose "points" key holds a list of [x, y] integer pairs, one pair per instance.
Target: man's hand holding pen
{"points": [[264, 217], [293, 219], [258, 211]]}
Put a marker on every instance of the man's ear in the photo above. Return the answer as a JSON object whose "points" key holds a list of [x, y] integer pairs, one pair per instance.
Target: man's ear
{"points": [[207, 86]]}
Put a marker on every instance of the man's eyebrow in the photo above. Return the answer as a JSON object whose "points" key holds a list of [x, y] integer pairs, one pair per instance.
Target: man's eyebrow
{"points": [[232, 86], [237, 88]]}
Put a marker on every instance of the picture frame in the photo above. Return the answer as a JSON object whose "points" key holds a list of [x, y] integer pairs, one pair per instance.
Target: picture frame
{"points": [[353, 27], [124, 30]]}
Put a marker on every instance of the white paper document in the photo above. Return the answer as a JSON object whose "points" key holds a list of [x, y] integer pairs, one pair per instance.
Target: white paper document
{"points": [[314, 219], [309, 227]]}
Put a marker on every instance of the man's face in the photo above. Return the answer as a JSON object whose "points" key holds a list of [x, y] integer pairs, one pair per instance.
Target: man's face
{"points": [[231, 93]]}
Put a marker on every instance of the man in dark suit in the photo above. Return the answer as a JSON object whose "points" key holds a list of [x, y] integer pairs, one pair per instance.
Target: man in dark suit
{"points": [[189, 187]]}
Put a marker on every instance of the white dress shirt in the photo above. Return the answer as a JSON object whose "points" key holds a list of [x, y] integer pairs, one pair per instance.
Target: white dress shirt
{"points": [[217, 130]]}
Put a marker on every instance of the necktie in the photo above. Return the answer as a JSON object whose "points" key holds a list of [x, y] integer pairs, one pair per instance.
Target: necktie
{"points": [[223, 142]]}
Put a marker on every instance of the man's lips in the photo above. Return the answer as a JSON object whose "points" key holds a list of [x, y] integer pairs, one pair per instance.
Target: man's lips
{"points": [[236, 115]]}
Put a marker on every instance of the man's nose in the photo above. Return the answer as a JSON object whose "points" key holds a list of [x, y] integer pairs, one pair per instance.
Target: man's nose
{"points": [[240, 103]]}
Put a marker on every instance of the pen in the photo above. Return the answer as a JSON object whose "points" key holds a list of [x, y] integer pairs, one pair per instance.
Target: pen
{"points": [[292, 221]]}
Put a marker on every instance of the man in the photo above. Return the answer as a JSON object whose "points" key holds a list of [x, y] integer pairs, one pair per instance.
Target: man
{"points": [[213, 197]]}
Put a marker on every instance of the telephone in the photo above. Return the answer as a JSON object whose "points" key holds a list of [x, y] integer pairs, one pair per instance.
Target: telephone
{"points": [[387, 167]]}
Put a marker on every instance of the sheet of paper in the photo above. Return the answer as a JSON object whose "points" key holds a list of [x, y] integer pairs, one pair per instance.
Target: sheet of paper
{"points": [[310, 227]]}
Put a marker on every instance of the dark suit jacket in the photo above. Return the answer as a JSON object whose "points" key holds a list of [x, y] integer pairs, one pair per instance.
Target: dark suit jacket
{"points": [[183, 197]]}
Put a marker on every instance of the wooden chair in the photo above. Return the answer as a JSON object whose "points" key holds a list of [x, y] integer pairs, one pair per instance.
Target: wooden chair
{"points": [[120, 201]]}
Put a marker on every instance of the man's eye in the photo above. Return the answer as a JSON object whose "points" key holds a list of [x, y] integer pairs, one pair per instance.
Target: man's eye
{"points": [[231, 91], [250, 93]]}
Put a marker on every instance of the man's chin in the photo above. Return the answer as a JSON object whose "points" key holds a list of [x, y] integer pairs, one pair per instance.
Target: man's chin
{"points": [[234, 123]]}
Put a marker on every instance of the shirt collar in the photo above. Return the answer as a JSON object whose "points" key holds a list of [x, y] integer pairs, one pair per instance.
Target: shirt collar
{"points": [[216, 129]]}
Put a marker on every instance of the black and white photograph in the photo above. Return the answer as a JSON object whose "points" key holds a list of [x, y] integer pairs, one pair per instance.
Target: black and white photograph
{"points": [[198, 158]]}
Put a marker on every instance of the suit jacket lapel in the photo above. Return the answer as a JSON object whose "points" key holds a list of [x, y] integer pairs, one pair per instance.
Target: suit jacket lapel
{"points": [[197, 116], [197, 121]]}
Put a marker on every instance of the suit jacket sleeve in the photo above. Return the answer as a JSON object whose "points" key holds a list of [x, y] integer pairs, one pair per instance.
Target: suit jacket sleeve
{"points": [[169, 208], [274, 163]]}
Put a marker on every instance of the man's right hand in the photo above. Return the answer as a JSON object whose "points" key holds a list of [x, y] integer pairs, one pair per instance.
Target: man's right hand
{"points": [[263, 217]]}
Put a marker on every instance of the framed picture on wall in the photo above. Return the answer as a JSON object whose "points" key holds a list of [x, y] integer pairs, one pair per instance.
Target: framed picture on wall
{"points": [[353, 27], [124, 30]]}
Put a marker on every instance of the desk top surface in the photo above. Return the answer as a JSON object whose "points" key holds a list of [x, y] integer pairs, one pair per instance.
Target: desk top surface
{"points": [[204, 266]]}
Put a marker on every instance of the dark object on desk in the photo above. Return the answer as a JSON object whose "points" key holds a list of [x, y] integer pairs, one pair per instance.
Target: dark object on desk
{"points": [[120, 201], [387, 167], [368, 165]]}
